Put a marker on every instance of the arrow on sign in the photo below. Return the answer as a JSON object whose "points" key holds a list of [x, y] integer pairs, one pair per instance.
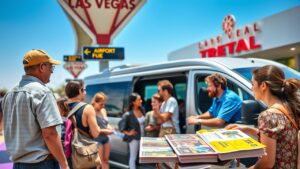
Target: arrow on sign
{"points": [[87, 51], [75, 68]]}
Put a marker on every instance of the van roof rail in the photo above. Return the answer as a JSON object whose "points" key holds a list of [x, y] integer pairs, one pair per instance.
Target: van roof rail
{"points": [[123, 66]]}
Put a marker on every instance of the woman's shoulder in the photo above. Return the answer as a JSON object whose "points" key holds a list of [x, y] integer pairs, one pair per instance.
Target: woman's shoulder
{"points": [[272, 122], [271, 112]]}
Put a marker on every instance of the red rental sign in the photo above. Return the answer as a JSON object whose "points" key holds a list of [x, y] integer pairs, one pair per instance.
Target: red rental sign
{"points": [[102, 19], [239, 40]]}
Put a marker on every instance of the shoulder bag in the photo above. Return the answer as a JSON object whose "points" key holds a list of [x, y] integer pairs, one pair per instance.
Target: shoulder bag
{"points": [[84, 147]]}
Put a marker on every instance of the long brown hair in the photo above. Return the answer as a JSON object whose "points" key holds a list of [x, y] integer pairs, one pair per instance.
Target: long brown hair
{"points": [[62, 105], [285, 90]]}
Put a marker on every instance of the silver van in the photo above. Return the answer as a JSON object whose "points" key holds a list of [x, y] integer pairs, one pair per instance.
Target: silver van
{"points": [[187, 76]]}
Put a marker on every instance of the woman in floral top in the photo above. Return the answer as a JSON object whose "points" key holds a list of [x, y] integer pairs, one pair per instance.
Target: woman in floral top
{"points": [[275, 129]]}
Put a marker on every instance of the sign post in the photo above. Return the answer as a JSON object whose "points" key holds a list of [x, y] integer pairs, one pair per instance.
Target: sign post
{"points": [[101, 20]]}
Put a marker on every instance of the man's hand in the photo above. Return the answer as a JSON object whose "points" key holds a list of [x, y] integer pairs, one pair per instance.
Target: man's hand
{"points": [[150, 128], [192, 120]]}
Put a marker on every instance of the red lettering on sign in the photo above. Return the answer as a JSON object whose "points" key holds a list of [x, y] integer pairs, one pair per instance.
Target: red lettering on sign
{"points": [[246, 31], [205, 43], [212, 41], [238, 31], [107, 4], [219, 39], [203, 53], [212, 52], [99, 3], [255, 28], [230, 47], [242, 46], [79, 4], [221, 51], [252, 43]]}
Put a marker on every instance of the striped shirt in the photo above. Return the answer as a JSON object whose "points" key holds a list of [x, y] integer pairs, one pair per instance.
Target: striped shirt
{"points": [[28, 108]]}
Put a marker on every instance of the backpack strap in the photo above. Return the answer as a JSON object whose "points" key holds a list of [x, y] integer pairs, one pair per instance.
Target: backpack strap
{"points": [[77, 107], [285, 112], [71, 116]]}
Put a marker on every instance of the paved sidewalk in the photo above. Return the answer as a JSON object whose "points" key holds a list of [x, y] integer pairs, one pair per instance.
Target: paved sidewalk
{"points": [[5, 163]]}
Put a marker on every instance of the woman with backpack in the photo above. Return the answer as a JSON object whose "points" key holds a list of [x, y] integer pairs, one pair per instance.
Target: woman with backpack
{"points": [[132, 125], [85, 116], [279, 124], [98, 102]]}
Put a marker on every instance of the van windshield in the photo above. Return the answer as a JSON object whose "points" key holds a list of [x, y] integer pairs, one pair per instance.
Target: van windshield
{"points": [[247, 73]]}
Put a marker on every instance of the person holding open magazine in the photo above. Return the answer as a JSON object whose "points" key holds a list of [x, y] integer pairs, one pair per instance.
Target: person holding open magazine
{"points": [[277, 126]]}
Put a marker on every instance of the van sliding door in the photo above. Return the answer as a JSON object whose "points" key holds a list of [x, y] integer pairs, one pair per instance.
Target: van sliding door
{"points": [[147, 87]]}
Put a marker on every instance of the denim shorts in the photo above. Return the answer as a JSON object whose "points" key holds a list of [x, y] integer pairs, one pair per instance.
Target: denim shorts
{"points": [[53, 164]]}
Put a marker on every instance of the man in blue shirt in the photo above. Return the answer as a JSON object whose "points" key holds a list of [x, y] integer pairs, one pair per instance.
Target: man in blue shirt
{"points": [[226, 106]]}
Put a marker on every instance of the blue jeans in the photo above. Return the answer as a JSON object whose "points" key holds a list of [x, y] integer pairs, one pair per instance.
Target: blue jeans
{"points": [[53, 164]]}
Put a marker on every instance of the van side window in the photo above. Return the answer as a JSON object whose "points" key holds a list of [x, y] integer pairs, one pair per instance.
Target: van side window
{"points": [[117, 96], [239, 91], [204, 102]]}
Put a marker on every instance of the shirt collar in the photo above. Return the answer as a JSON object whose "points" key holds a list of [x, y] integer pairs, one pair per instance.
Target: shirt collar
{"points": [[32, 78], [223, 96]]}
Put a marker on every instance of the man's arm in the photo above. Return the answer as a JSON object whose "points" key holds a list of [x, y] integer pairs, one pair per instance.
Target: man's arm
{"points": [[214, 122], [205, 119], [161, 118], [53, 142], [205, 115]]}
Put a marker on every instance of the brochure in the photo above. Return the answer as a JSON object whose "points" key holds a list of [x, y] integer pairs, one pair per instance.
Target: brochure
{"points": [[230, 144], [155, 150]]}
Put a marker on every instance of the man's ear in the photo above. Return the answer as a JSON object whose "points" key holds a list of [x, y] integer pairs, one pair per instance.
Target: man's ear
{"points": [[40, 67]]}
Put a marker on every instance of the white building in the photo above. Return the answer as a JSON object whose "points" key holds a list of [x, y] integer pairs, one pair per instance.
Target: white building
{"points": [[276, 37]]}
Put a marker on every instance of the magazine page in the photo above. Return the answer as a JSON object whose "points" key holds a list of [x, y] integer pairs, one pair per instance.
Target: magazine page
{"points": [[188, 144], [153, 150], [224, 141]]}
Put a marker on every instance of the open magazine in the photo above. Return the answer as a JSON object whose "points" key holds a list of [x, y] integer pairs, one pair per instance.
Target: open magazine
{"points": [[231, 144], [155, 150], [190, 148]]}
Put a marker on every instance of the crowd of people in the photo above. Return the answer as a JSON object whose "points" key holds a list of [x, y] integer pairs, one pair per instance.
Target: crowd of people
{"points": [[34, 118]]}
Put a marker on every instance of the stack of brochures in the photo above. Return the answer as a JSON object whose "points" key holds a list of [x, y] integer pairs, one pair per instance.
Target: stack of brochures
{"points": [[206, 146], [156, 150], [231, 144], [190, 148]]}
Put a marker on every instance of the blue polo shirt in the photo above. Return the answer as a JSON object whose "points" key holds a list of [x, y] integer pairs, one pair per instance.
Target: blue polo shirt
{"points": [[228, 107]]}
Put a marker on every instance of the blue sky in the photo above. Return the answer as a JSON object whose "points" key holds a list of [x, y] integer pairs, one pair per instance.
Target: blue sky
{"points": [[161, 26]]}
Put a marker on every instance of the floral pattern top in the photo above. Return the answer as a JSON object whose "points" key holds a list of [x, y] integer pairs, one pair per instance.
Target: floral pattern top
{"points": [[277, 126]]}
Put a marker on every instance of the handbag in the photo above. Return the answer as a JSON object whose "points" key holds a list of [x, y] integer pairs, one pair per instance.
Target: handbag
{"points": [[84, 147]]}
